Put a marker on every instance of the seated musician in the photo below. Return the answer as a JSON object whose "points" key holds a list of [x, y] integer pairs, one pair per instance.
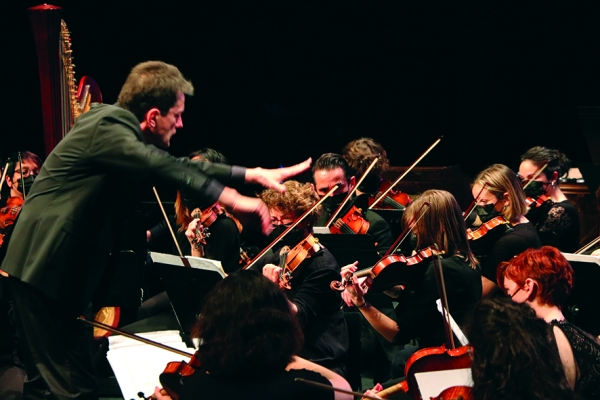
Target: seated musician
{"points": [[311, 298], [331, 169], [556, 220], [20, 175], [223, 242], [514, 354], [249, 343], [499, 197], [543, 278], [417, 317], [359, 154]]}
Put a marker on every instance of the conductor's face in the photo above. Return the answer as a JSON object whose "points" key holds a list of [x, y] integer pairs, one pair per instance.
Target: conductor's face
{"points": [[166, 125]]}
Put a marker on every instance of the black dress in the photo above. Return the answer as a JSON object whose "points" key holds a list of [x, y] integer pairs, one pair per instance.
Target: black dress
{"points": [[557, 225], [586, 351]]}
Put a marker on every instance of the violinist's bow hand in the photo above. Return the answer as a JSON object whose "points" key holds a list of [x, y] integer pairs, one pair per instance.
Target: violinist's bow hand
{"points": [[274, 178], [160, 394], [272, 272]]}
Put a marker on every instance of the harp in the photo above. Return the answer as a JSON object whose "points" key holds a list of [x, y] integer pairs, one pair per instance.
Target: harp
{"points": [[62, 99]]}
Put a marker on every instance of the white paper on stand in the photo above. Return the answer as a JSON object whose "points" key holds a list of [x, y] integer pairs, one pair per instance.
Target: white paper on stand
{"points": [[431, 384], [137, 366]]}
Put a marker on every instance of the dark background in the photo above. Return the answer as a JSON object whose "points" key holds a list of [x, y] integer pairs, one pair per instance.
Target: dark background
{"points": [[279, 81]]}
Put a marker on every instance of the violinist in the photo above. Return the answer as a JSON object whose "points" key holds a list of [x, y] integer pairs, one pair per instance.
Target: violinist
{"points": [[20, 175], [359, 154], [249, 347], [555, 218], [332, 169], [417, 317], [499, 197], [317, 306], [543, 279]]}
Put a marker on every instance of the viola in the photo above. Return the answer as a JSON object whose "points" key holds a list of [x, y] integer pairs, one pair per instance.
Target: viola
{"points": [[398, 276], [290, 259], [393, 200], [486, 227], [537, 202], [352, 223]]}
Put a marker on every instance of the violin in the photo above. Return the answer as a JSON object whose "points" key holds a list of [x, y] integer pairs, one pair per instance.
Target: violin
{"points": [[8, 215], [441, 358], [392, 278], [392, 200], [290, 259], [175, 373], [352, 223], [486, 227], [538, 202], [383, 194], [207, 217]]}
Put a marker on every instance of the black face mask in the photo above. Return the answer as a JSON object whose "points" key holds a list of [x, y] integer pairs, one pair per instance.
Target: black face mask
{"points": [[332, 202], [486, 212], [535, 189], [291, 239], [25, 182]]}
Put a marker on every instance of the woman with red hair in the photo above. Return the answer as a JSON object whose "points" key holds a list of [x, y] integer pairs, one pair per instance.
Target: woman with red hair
{"points": [[543, 278]]}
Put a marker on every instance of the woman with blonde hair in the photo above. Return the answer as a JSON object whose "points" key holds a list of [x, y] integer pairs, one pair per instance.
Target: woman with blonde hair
{"points": [[499, 199], [417, 317]]}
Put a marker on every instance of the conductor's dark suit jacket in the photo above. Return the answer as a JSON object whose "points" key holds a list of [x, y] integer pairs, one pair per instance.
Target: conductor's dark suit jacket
{"points": [[85, 190]]}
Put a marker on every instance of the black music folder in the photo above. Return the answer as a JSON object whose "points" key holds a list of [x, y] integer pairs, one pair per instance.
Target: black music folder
{"points": [[187, 286], [348, 248]]}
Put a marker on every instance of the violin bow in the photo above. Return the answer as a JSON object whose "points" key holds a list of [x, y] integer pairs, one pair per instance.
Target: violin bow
{"points": [[404, 234], [333, 388], [4, 175], [289, 228], [384, 193], [474, 202], [22, 180], [537, 173], [588, 246], [183, 259], [135, 337], [351, 192]]}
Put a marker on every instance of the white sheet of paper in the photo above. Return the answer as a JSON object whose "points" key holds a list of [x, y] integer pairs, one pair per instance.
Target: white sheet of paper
{"points": [[137, 366], [431, 384]]}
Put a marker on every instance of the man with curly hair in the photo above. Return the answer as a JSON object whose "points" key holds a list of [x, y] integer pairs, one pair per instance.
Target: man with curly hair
{"points": [[318, 307]]}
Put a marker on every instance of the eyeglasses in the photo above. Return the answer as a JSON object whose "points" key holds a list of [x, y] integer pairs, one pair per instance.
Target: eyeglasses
{"points": [[515, 292], [285, 221]]}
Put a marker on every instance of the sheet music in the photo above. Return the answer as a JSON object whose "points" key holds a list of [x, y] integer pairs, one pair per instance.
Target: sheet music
{"points": [[431, 384], [137, 366], [582, 258], [455, 328], [195, 262]]}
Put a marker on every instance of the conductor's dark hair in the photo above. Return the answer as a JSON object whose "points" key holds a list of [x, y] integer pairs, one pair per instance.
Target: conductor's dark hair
{"points": [[331, 161], [515, 354], [555, 159], [153, 84], [246, 328]]}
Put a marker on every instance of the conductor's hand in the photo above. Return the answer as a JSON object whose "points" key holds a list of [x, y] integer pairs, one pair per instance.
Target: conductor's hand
{"points": [[241, 206], [274, 178]]}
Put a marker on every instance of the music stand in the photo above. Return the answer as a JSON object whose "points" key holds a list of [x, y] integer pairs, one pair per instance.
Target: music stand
{"points": [[581, 308], [347, 248], [187, 286]]}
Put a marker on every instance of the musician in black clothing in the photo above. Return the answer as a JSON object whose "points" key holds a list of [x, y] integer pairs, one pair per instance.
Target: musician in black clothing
{"points": [[500, 197], [318, 306], [557, 219], [331, 169]]}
